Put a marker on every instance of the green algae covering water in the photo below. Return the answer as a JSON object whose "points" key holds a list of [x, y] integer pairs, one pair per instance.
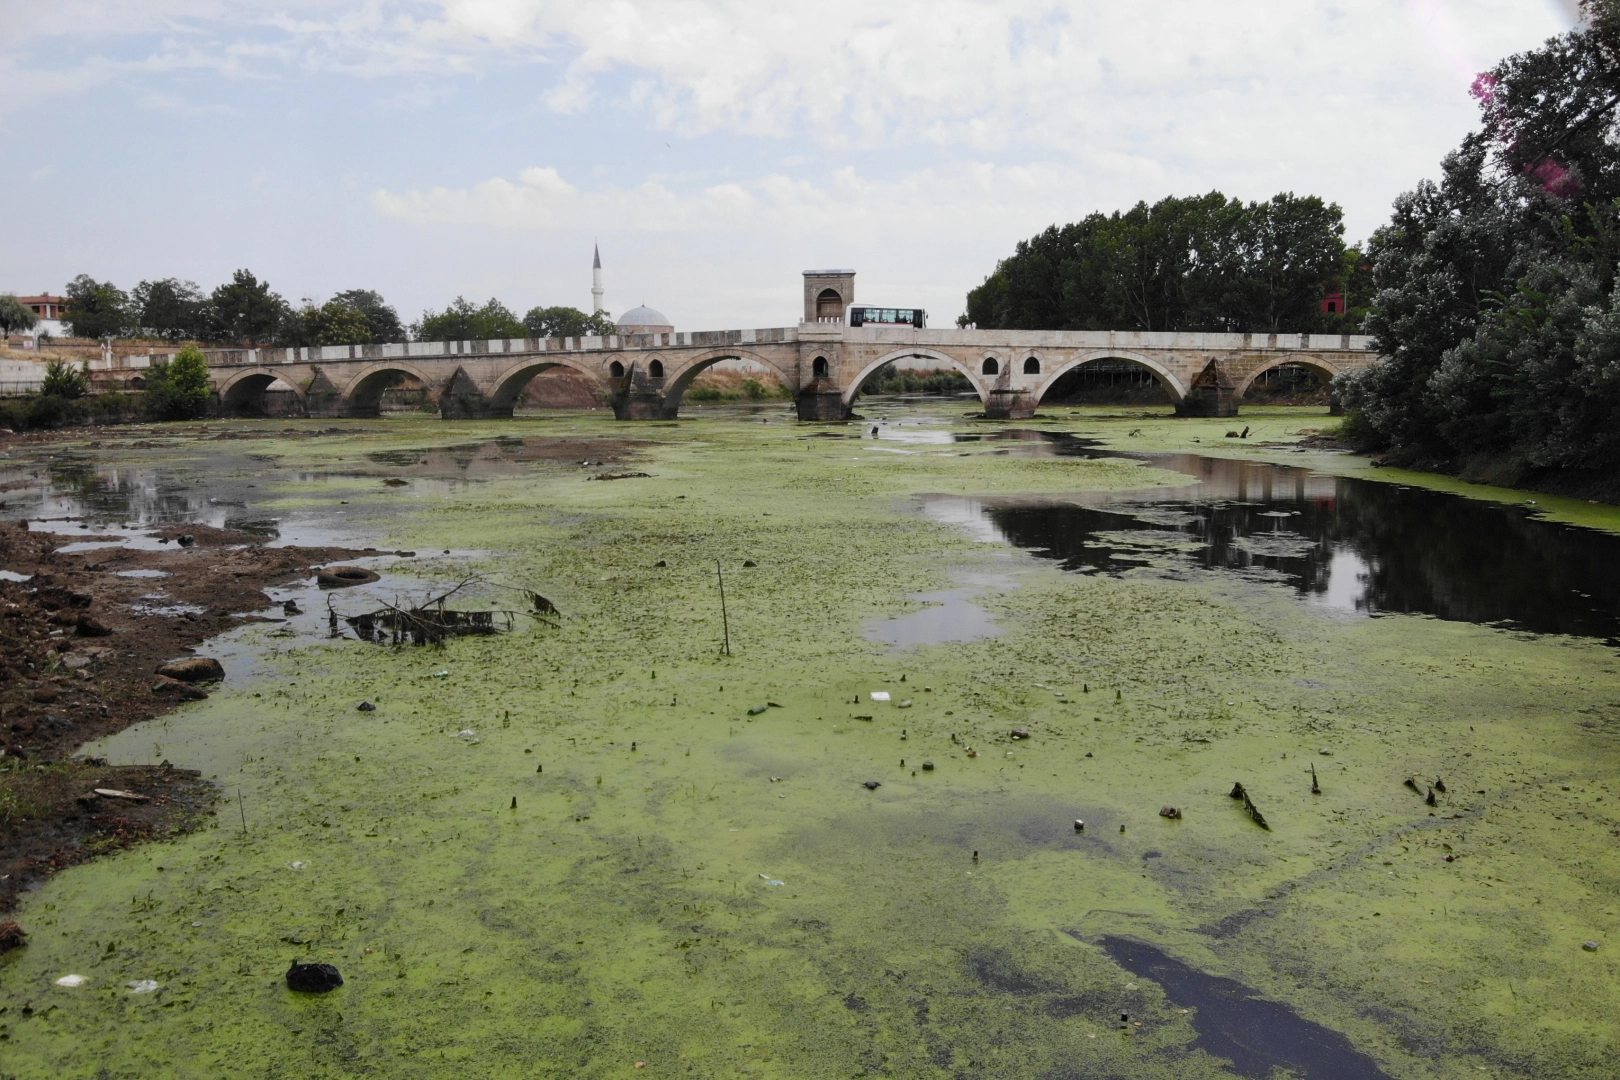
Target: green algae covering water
{"points": [[689, 886]]}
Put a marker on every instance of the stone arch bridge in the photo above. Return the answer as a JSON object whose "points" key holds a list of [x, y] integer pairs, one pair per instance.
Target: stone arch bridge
{"points": [[824, 365]]}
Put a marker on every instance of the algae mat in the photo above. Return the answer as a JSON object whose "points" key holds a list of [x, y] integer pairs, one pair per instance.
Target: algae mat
{"points": [[698, 890]]}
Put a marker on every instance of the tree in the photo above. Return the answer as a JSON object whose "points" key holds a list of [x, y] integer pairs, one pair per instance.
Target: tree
{"points": [[15, 315], [245, 311], [1200, 263], [463, 322], [331, 323], [96, 309], [63, 380], [169, 308], [179, 389], [1497, 308], [381, 319], [554, 322]]}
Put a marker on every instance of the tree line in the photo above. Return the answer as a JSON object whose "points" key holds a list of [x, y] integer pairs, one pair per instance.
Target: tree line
{"points": [[247, 312], [1497, 304], [1204, 263]]}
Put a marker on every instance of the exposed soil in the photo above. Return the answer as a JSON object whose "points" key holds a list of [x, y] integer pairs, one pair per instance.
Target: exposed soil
{"points": [[79, 648]]}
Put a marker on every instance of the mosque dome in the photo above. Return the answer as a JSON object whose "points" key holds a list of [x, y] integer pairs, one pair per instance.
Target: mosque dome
{"points": [[644, 320]]}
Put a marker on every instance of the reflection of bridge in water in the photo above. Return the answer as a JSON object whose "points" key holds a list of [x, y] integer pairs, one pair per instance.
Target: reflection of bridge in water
{"points": [[823, 365]]}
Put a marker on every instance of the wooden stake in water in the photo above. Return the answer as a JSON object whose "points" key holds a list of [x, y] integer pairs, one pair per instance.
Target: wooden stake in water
{"points": [[725, 620], [241, 809]]}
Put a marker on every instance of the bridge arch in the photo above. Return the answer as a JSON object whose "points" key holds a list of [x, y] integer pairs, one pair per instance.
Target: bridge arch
{"points": [[680, 380], [509, 384], [362, 395], [243, 393], [1166, 379], [1321, 368], [972, 376]]}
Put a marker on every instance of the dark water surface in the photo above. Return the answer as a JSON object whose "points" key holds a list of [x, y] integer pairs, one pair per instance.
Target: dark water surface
{"points": [[1255, 1034], [1341, 542]]}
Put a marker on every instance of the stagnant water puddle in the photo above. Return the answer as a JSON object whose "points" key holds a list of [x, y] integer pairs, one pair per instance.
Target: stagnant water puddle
{"points": [[1341, 542], [1253, 1033]]}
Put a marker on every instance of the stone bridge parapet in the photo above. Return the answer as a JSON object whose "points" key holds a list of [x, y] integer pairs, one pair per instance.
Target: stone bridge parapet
{"points": [[824, 365]]}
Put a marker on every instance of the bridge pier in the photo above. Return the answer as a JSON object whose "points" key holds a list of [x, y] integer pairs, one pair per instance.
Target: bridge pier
{"points": [[1005, 403], [1213, 393], [822, 400]]}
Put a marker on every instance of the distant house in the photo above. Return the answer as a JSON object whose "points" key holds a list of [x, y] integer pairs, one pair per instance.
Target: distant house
{"points": [[50, 311], [1332, 304]]}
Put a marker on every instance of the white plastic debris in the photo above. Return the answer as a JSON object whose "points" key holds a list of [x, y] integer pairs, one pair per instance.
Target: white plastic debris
{"points": [[299, 865], [142, 986], [71, 981], [880, 695]]}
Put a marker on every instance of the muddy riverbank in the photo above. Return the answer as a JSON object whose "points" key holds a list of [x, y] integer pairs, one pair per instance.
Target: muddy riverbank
{"points": [[601, 841]]}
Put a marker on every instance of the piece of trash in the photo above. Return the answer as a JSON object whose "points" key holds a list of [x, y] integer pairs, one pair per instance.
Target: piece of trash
{"points": [[291, 608], [749, 564], [1020, 733], [756, 710], [342, 577], [466, 733], [906, 704], [880, 695], [71, 981], [1590, 946], [864, 716], [142, 986], [114, 793], [366, 706], [313, 978], [1170, 812], [440, 675], [1325, 752], [1079, 826], [192, 669], [641, 1064], [972, 753], [776, 779], [186, 540], [773, 704], [298, 865], [871, 785], [928, 766]]}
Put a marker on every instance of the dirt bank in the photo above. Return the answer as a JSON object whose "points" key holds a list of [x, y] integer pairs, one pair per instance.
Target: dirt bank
{"points": [[80, 642]]}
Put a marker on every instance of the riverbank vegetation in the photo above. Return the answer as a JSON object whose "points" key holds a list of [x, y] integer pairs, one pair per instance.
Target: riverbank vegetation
{"points": [[1497, 307]]}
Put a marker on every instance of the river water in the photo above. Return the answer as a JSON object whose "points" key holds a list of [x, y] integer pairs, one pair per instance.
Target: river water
{"points": [[605, 841]]}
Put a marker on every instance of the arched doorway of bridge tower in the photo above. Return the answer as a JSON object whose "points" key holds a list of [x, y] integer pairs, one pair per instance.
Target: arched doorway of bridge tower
{"points": [[260, 394], [1291, 383], [541, 386], [1109, 380], [724, 380]]}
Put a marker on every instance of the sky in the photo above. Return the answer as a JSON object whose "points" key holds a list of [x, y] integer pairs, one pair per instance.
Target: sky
{"points": [[714, 148]]}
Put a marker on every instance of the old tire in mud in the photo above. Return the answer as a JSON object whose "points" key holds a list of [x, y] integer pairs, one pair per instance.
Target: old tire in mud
{"points": [[341, 577]]}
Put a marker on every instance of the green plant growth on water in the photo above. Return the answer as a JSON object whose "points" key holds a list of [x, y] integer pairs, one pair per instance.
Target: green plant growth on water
{"points": [[708, 889]]}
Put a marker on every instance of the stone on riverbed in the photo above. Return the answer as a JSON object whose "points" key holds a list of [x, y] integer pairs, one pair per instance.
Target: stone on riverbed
{"points": [[193, 669]]}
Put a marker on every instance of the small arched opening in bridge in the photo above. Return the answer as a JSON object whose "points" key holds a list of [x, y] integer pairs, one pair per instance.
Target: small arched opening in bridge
{"points": [[727, 379], [818, 368], [1291, 382], [1032, 366], [992, 366], [655, 369], [616, 370], [546, 384], [260, 394], [384, 388], [829, 305], [1110, 379]]}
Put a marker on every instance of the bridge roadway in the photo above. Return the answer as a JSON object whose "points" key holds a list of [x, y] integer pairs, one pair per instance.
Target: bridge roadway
{"points": [[823, 364]]}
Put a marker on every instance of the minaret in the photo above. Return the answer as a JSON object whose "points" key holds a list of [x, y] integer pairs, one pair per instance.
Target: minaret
{"points": [[596, 282]]}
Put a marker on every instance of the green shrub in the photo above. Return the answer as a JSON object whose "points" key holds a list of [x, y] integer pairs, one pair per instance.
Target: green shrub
{"points": [[1358, 433], [179, 389], [63, 380]]}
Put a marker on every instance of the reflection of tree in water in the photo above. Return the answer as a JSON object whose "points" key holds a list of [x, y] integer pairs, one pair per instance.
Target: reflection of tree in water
{"points": [[127, 494], [1419, 551]]}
